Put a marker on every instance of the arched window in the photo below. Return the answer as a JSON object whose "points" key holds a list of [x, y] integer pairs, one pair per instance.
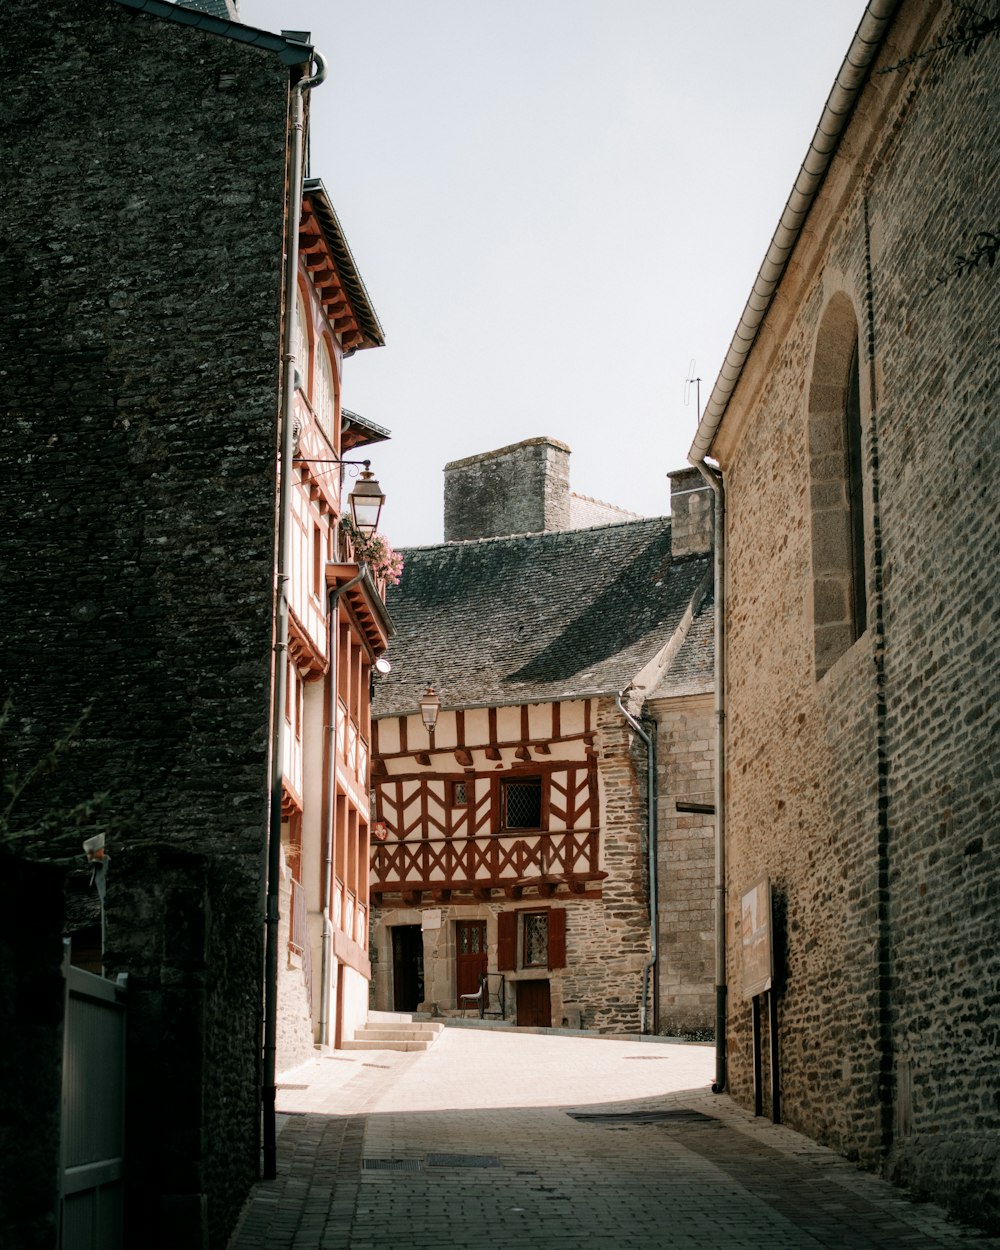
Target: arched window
{"points": [[325, 391], [836, 472], [301, 343]]}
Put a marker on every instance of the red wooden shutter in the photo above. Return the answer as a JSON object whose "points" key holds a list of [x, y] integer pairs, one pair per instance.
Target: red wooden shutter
{"points": [[507, 941], [557, 937]]}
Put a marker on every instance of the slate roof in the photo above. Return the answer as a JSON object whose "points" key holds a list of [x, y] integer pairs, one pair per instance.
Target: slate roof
{"points": [[290, 49], [536, 617], [692, 670]]}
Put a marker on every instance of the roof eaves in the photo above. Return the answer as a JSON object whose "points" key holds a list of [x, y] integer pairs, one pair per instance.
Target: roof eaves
{"points": [[354, 287], [537, 696], [836, 115], [372, 433], [289, 51]]}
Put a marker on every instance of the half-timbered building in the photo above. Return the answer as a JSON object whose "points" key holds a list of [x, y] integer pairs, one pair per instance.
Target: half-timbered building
{"points": [[513, 839], [337, 627]]}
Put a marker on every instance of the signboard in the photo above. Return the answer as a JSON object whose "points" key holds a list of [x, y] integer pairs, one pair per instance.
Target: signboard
{"points": [[431, 918], [379, 830], [755, 933]]}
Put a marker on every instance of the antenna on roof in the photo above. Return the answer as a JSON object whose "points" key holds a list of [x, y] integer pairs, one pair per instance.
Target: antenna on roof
{"points": [[687, 388]]}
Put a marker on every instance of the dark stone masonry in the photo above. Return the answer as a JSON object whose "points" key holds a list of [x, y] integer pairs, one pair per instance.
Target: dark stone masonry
{"points": [[140, 270]]}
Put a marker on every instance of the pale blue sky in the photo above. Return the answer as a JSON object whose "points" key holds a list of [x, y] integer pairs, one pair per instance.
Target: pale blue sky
{"points": [[555, 205]]}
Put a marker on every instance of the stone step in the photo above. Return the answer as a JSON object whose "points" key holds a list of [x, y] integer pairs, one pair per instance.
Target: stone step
{"points": [[398, 1034], [362, 1043], [402, 1017]]}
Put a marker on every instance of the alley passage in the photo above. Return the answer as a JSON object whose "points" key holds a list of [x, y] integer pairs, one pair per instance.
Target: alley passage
{"points": [[505, 1139]]}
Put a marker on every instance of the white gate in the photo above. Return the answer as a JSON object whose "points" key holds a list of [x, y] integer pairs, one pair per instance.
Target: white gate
{"points": [[93, 1136]]}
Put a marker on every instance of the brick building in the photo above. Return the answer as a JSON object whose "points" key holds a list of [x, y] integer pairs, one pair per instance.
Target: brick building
{"points": [[143, 313], [855, 428], [516, 837]]}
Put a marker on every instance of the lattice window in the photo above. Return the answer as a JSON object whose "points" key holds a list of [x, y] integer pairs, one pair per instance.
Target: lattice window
{"points": [[460, 793], [535, 940], [522, 803]]}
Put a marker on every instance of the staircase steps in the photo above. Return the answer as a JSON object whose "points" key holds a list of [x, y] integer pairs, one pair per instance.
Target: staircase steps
{"points": [[394, 1031]]}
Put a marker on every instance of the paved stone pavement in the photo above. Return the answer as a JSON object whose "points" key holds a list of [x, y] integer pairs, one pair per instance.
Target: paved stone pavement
{"points": [[509, 1140]]}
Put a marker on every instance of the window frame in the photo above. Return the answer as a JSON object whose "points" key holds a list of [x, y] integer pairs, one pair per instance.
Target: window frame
{"points": [[536, 780]]}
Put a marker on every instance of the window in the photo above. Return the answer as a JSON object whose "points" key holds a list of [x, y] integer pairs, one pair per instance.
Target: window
{"points": [[535, 939], [317, 553], [531, 939], [459, 793], [836, 481], [325, 391], [521, 803], [301, 343]]}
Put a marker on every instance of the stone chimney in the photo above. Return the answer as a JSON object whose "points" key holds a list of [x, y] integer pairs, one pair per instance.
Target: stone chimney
{"points": [[521, 489], [692, 514]]}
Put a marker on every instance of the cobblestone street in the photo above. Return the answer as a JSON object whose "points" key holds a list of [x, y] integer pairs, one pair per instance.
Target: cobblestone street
{"points": [[504, 1139]]}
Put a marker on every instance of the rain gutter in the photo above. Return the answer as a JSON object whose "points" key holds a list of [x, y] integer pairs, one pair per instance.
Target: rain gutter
{"points": [[290, 51], [832, 123]]}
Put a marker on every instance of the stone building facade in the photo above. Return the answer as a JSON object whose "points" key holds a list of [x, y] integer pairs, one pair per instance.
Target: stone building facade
{"points": [[857, 446], [515, 839], [142, 316]]}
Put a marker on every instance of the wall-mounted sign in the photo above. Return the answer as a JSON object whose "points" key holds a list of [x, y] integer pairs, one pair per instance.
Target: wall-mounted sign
{"points": [[755, 934], [431, 918], [380, 830]]}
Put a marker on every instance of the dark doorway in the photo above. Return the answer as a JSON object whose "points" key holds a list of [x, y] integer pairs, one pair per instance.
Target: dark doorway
{"points": [[470, 957], [407, 967], [534, 1005]]}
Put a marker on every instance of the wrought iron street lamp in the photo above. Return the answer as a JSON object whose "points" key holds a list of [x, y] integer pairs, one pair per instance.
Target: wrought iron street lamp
{"points": [[430, 705], [366, 500]]}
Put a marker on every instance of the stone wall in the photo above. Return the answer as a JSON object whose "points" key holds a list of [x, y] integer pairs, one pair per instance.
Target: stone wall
{"points": [[585, 512], [598, 989], [868, 795], [685, 742], [140, 301], [294, 1042]]}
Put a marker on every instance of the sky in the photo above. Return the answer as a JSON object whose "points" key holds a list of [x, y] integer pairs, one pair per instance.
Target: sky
{"points": [[556, 206]]}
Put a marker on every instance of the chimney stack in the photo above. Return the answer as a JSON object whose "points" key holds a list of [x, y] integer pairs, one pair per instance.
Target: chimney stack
{"points": [[520, 489], [692, 514]]}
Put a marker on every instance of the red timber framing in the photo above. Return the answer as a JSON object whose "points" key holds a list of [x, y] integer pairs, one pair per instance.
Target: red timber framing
{"points": [[324, 272], [448, 832]]}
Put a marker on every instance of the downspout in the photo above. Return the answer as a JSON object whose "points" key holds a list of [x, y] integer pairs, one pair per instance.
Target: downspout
{"points": [[714, 479], [331, 790], [651, 841], [279, 680]]}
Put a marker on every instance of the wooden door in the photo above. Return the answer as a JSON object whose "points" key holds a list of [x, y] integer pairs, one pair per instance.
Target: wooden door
{"points": [[407, 967], [470, 957], [534, 1004]]}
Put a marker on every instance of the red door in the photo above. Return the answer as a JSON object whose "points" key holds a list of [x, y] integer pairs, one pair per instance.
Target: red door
{"points": [[470, 957], [534, 1004]]}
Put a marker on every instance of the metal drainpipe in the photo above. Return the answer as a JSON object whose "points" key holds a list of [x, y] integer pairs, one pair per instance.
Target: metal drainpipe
{"points": [[279, 679], [331, 773], [714, 479], [651, 840]]}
